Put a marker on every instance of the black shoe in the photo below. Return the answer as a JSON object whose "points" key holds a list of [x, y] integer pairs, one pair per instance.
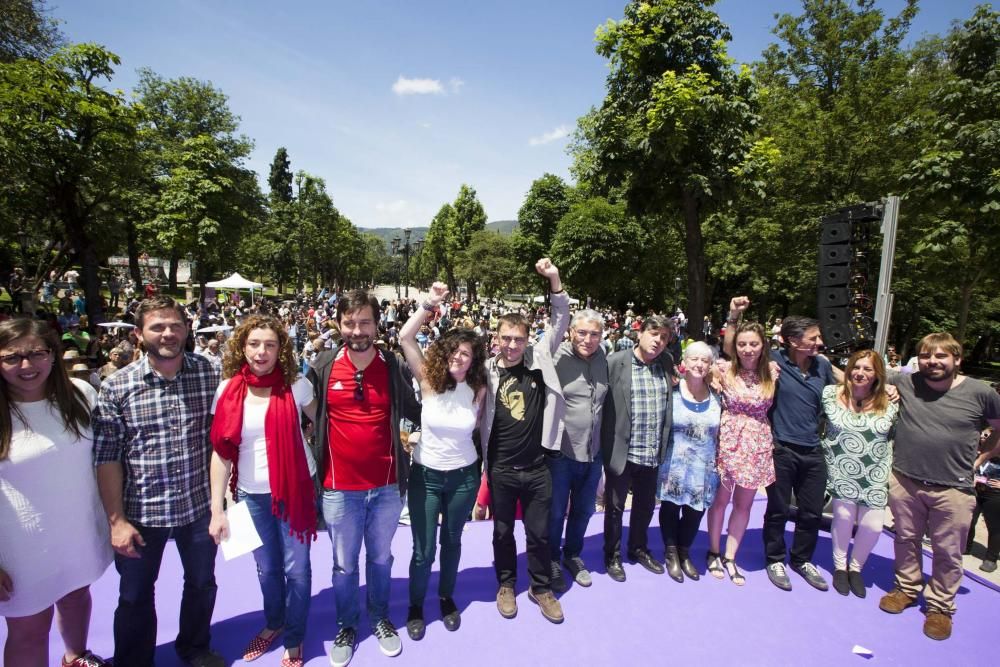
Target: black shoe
{"points": [[615, 569], [687, 567], [841, 584], [415, 626], [556, 579], [644, 558], [449, 615], [857, 583], [673, 563], [776, 573], [812, 576], [988, 565]]}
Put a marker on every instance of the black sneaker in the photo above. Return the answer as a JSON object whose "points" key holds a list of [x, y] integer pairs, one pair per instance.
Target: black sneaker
{"points": [[615, 569], [556, 579], [415, 626], [812, 576], [449, 615], [343, 647], [644, 558], [776, 573]]}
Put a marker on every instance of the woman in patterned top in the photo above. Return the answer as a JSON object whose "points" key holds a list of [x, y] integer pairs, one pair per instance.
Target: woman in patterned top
{"points": [[858, 450], [745, 458]]}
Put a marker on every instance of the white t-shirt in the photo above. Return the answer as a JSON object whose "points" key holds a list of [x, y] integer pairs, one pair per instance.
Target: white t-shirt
{"points": [[54, 535], [447, 422], [252, 462]]}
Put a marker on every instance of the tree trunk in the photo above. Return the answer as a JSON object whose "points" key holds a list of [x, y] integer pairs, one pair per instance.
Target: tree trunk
{"points": [[132, 240], [694, 249], [172, 271], [965, 299]]}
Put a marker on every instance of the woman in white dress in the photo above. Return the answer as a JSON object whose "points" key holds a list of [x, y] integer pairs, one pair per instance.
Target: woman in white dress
{"points": [[260, 450], [54, 539], [444, 476]]}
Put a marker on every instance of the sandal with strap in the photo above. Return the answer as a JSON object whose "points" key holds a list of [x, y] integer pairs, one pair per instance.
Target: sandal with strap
{"points": [[293, 661], [713, 562], [734, 573], [260, 644]]}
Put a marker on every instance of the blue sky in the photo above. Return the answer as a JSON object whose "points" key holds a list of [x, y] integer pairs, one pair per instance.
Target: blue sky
{"points": [[396, 103]]}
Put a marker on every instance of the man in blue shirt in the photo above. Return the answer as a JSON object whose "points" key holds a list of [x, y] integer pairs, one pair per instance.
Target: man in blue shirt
{"points": [[799, 465]]}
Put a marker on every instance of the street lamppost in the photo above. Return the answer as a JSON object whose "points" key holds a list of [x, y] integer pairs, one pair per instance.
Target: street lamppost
{"points": [[189, 288], [395, 266], [678, 283], [405, 248]]}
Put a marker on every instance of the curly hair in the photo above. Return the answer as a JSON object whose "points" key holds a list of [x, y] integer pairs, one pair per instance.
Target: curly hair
{"points": [[436, 361], [763, 366], [234, 357]]}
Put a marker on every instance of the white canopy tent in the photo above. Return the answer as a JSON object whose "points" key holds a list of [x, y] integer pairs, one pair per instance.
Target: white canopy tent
{"points": [[236, 282], [572, 301]]}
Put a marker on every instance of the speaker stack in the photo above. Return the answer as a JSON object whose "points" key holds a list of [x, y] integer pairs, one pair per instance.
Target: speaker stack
{"points": [[844, 304]]}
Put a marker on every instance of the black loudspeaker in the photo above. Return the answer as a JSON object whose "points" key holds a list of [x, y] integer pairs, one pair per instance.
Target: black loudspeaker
{"points": [[835, 232], [834, 316], [835, 335], [833, 296], [830, 255], [834, 276]]}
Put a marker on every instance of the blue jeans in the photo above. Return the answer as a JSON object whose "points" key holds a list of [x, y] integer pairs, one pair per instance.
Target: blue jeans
{"points": [[282, 568], [353, 516], [135, 617], [450, 494], [574, 484]]}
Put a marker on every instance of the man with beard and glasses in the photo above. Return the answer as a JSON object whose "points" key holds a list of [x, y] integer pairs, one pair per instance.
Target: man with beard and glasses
{"points": [[362, 393], [151, 451], [931, 488]]}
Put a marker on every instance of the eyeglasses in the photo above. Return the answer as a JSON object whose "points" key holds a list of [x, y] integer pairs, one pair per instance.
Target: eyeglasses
{"points": [[17, 358], [359, 388]]}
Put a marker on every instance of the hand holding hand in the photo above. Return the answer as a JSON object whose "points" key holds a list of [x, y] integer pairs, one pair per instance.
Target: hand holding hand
{"points": [[125, 538]]}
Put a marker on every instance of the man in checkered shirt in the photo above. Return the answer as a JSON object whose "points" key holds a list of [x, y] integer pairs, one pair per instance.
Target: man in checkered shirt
{"points": [[151, 451]]}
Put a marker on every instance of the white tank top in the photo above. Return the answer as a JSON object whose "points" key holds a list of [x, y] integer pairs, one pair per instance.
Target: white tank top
{"points": [[446, 423]]}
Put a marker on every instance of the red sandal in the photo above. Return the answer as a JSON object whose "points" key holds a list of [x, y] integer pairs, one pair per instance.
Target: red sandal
{"points": [[295, 661], [259, 645]]}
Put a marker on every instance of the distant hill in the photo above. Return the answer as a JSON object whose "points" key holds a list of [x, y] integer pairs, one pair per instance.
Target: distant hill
{"points": [[387, 234]]}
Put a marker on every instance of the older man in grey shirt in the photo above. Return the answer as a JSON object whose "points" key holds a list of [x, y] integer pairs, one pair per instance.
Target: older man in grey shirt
{"points": [[582, 368]]}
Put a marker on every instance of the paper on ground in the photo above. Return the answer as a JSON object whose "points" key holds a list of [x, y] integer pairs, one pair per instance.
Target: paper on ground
{"points": [[243, 537], [861, 650]]}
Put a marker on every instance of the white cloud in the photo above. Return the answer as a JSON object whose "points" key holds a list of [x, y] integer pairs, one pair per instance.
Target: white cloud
{"points": [[560, 132], [455, 84], [391, 207], [404, 86]]}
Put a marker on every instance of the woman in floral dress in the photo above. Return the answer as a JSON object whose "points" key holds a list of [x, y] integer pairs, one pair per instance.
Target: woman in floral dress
{"points": [[745, 456]]}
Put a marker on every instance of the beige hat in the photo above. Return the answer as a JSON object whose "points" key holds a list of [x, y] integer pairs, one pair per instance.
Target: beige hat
{"points": [[80, 367], [70, 354]]}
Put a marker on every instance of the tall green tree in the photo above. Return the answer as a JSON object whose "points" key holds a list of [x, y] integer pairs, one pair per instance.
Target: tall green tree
{"points": [[545, 204], [441, 246], [489, 262], [955, 179], [74, 144], [677, 123], [27, 30]]}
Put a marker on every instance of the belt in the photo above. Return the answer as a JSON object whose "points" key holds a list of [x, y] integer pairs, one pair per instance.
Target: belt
{"points": [[521, 468]]}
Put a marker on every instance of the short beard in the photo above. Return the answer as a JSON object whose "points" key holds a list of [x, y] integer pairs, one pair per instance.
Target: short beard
{"points": [[362, 345]]}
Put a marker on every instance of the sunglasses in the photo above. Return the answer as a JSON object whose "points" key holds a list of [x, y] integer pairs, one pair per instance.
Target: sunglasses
{"points": [[359, 389]]}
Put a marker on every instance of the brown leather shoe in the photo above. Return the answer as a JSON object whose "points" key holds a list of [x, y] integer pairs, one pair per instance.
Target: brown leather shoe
{"points": [[507, 602], [937, 626], [896, 601], [549, 605]]}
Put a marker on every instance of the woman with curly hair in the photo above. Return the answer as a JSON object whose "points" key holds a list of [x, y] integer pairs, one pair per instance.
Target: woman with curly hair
{"points": [[260, 449], [858, 451], [52, 526], [745, 458], [444, 477]]}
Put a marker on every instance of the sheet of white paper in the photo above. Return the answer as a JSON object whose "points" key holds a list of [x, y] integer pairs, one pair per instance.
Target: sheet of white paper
{"points": [[861, 650], [243, 537]]}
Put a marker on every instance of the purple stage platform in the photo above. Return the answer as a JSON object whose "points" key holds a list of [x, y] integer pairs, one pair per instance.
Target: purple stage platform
{"points": [[648, 619]]}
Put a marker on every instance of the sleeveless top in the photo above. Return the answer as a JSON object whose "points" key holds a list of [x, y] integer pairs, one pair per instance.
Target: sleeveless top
{"points": [[447, 421]]}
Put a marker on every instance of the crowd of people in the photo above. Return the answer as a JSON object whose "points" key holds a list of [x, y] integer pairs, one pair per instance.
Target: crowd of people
{"points": [[337, 412]]}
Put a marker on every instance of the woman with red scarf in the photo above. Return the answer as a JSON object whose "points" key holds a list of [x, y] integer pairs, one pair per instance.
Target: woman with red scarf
{"points": [[260, 449]]}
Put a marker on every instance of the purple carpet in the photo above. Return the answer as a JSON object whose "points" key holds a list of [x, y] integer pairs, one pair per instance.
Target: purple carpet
{"points": [[706, 622]]}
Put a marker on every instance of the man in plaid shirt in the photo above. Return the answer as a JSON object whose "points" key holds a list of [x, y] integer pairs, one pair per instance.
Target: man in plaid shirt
{"points": [[151, 451], [634, 434]]}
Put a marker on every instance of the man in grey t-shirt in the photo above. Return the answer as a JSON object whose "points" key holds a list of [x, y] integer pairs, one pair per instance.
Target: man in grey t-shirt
{"points": [[931, 487]]}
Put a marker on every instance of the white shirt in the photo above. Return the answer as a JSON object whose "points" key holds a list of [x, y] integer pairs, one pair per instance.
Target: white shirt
{"points": [[252, 461]]}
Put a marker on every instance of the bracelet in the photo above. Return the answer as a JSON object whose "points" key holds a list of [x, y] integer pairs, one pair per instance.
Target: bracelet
{"points": [[559, 291], [428, 306]]}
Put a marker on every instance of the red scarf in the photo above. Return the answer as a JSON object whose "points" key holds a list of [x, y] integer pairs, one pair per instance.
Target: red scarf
{"points": [[292, 496]]}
